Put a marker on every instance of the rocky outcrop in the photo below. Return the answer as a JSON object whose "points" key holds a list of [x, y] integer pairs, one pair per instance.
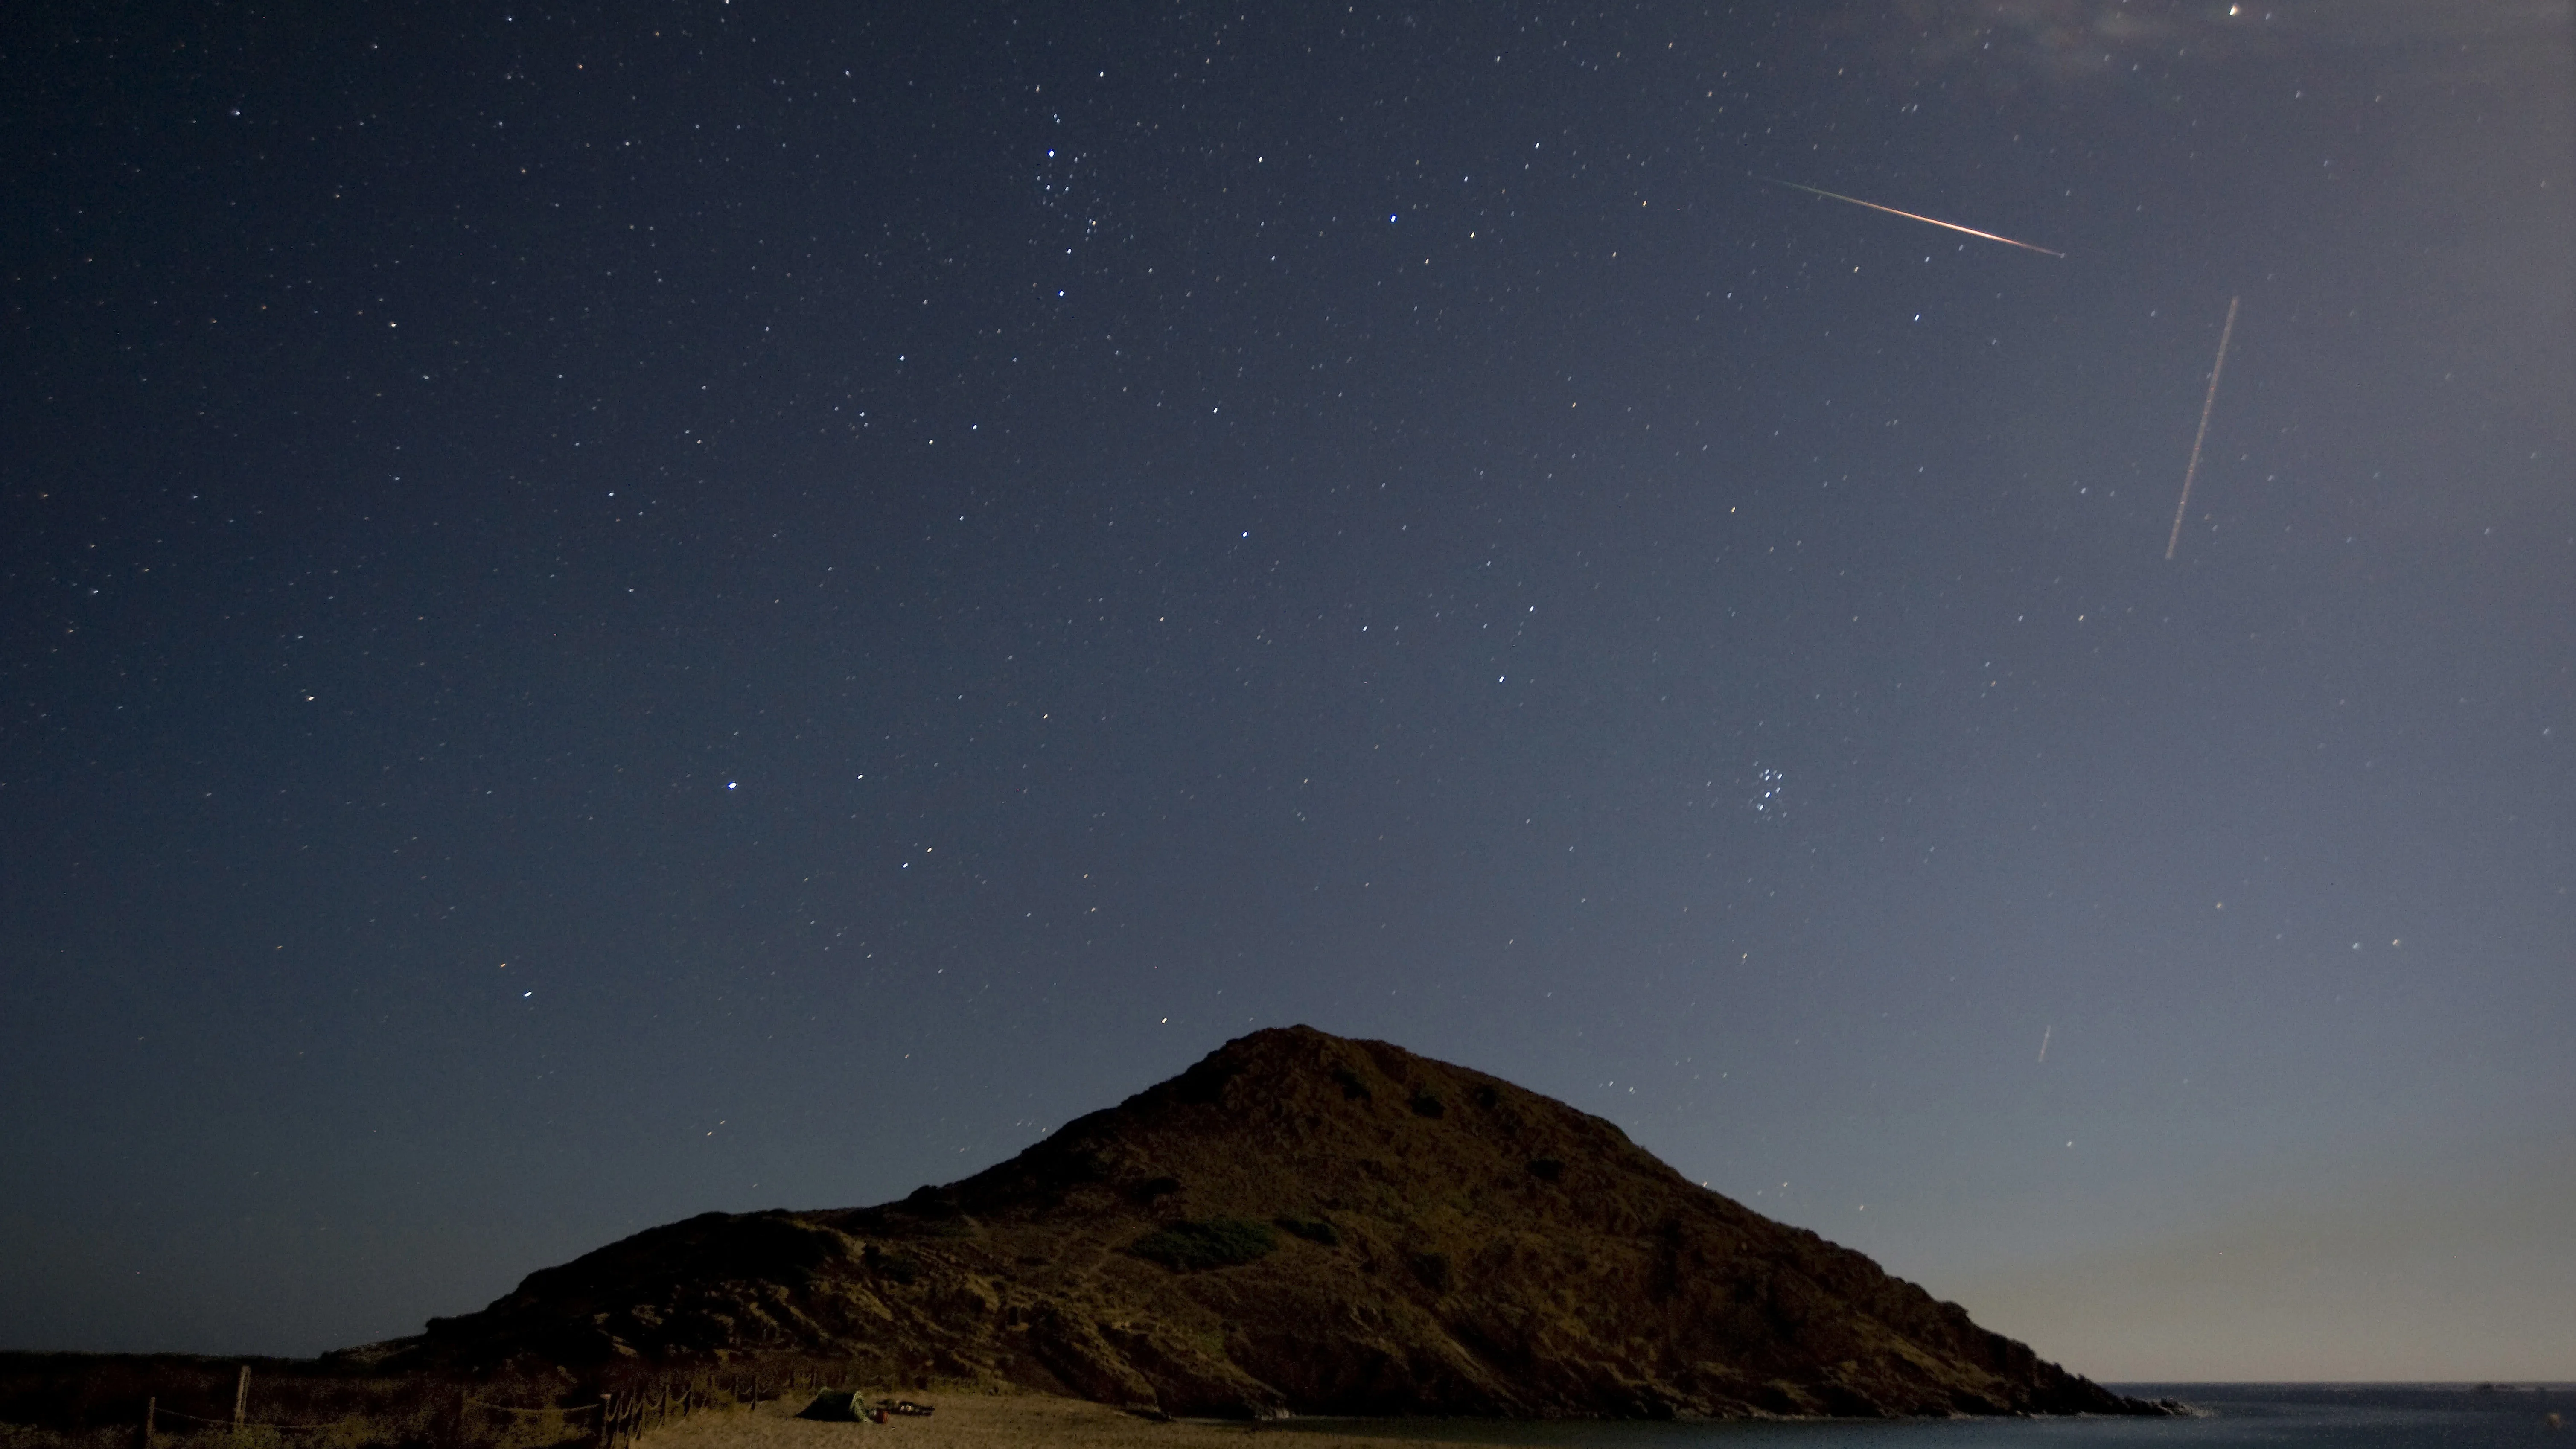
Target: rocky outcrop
{"points": [[1302, 1223]]}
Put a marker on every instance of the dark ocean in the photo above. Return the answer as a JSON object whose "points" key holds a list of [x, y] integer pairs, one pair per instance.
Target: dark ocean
{"points": [[2235, 1416]]}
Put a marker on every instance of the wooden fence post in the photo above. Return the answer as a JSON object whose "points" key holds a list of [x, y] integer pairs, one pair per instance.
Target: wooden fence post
{"points": [[241, 1397], [151, 1406]]}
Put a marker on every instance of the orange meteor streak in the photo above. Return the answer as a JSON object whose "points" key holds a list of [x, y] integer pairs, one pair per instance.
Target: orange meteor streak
{"points": [[1910, 216]]}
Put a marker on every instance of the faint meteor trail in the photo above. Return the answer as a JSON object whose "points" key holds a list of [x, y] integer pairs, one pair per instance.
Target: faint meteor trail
{"points": [[1910, 216], [2043, 1041], [2193, 468]]}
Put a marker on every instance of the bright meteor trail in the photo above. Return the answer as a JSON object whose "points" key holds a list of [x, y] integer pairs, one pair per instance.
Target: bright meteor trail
{"points": [[2207, 401], [1910, 216]]}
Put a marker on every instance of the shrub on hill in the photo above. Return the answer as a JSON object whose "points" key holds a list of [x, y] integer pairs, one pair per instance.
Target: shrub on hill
{"points": [[1313, 1230], [1187, 1247]]}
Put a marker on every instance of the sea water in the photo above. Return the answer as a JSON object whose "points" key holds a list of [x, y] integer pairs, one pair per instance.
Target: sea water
{"points": [[2231, 1416]]}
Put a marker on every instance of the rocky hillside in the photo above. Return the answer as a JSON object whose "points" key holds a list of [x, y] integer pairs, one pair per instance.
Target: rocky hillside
{"points": [[1301, 1223]]}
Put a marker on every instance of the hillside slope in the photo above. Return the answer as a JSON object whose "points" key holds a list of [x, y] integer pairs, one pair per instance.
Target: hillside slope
{"points": [[1302, 1223]]}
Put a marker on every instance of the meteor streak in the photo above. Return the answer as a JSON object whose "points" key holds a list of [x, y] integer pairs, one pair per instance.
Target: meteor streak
{"points": [[1910, 216], [2209, 400]]}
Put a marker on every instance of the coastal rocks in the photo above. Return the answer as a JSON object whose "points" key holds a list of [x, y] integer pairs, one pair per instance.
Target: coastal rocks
{"points": [[1302, 1223]]}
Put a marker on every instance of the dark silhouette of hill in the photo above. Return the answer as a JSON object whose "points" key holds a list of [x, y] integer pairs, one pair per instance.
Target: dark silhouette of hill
{"points": [[1299, 1223]]}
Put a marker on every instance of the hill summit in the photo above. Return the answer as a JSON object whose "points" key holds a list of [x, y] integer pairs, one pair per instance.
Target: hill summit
{"points": [[1301, 1223]]}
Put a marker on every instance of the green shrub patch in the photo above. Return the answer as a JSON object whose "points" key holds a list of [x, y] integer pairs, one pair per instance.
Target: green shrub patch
{"points": [[1313, 1230], [1187, 1247]]}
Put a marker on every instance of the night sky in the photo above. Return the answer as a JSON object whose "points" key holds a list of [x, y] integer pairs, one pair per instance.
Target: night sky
{"points": [[619, 611]]}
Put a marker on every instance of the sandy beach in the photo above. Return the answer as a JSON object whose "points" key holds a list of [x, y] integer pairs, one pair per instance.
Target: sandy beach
{"points": [[974, 1420]]}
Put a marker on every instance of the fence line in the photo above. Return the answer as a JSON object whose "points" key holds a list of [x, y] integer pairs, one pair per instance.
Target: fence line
{"points": [[509, 1409], [623, 1414], [251, 1423], [626, 1416]]}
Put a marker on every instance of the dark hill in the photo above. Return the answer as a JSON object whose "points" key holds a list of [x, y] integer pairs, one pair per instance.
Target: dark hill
{"points": [[1301, 1223]]}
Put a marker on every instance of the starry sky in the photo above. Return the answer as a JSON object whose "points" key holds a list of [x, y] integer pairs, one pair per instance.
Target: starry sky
{"points": [[613, 611]]}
